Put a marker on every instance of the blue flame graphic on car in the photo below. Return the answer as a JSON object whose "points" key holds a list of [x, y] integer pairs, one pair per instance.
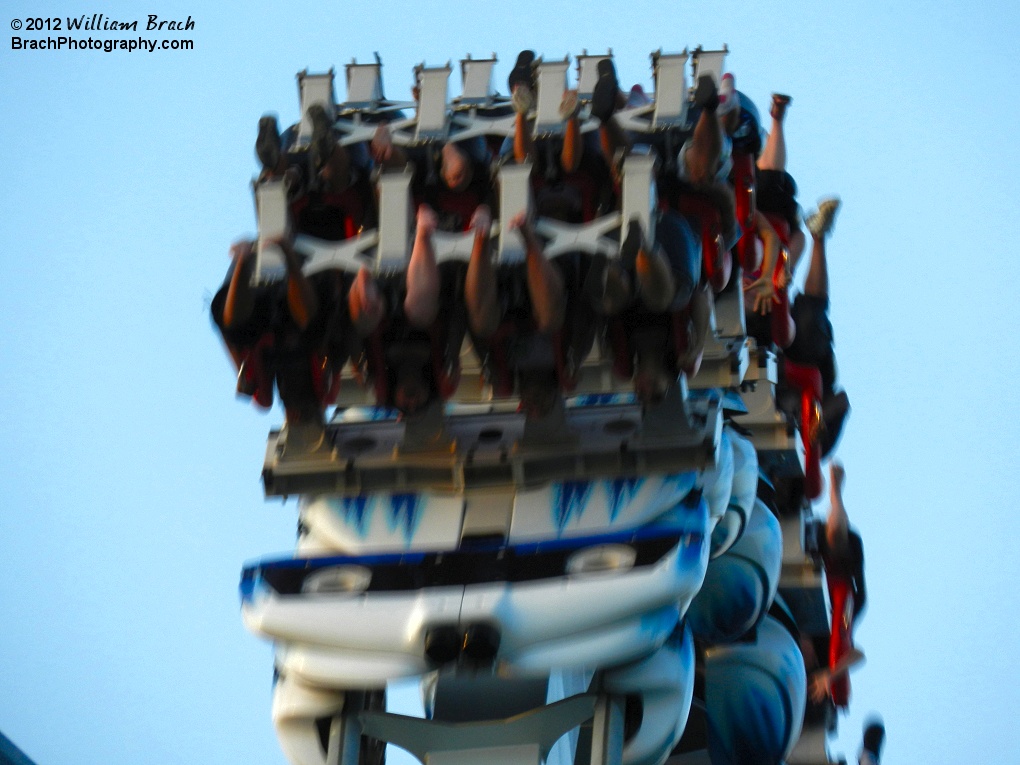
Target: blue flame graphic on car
{"points": [[404, 513], [682, 482], [357, 512], [621, 491], [569, 499]]}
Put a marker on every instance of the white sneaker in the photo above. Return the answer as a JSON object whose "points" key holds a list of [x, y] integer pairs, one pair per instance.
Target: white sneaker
{"points": [[569, 105], [727, 94], [481, 221], [523, 99], [820, 222]]}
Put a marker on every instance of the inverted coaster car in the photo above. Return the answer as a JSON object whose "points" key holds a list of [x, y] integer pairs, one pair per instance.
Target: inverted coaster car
{"points": [[571, 609], [358, 621]]}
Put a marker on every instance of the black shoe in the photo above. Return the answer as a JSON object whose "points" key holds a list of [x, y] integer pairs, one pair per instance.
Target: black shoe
{"points": [[323, 140], [522, 73], [594, 286], [607, 88], [874, 737], [267, 145], [706, 95], [834, 413], [606, 68], [606, 286]]}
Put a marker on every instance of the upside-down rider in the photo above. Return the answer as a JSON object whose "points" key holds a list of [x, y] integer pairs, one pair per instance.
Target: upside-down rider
{"points": [[291, 333], [842, 556]]}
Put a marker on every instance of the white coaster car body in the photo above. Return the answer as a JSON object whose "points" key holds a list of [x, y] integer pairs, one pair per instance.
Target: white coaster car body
{"points": [[596, 599]]}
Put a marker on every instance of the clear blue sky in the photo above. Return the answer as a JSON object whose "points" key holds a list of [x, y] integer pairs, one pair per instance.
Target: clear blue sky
{"points": [[130, 475]]}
